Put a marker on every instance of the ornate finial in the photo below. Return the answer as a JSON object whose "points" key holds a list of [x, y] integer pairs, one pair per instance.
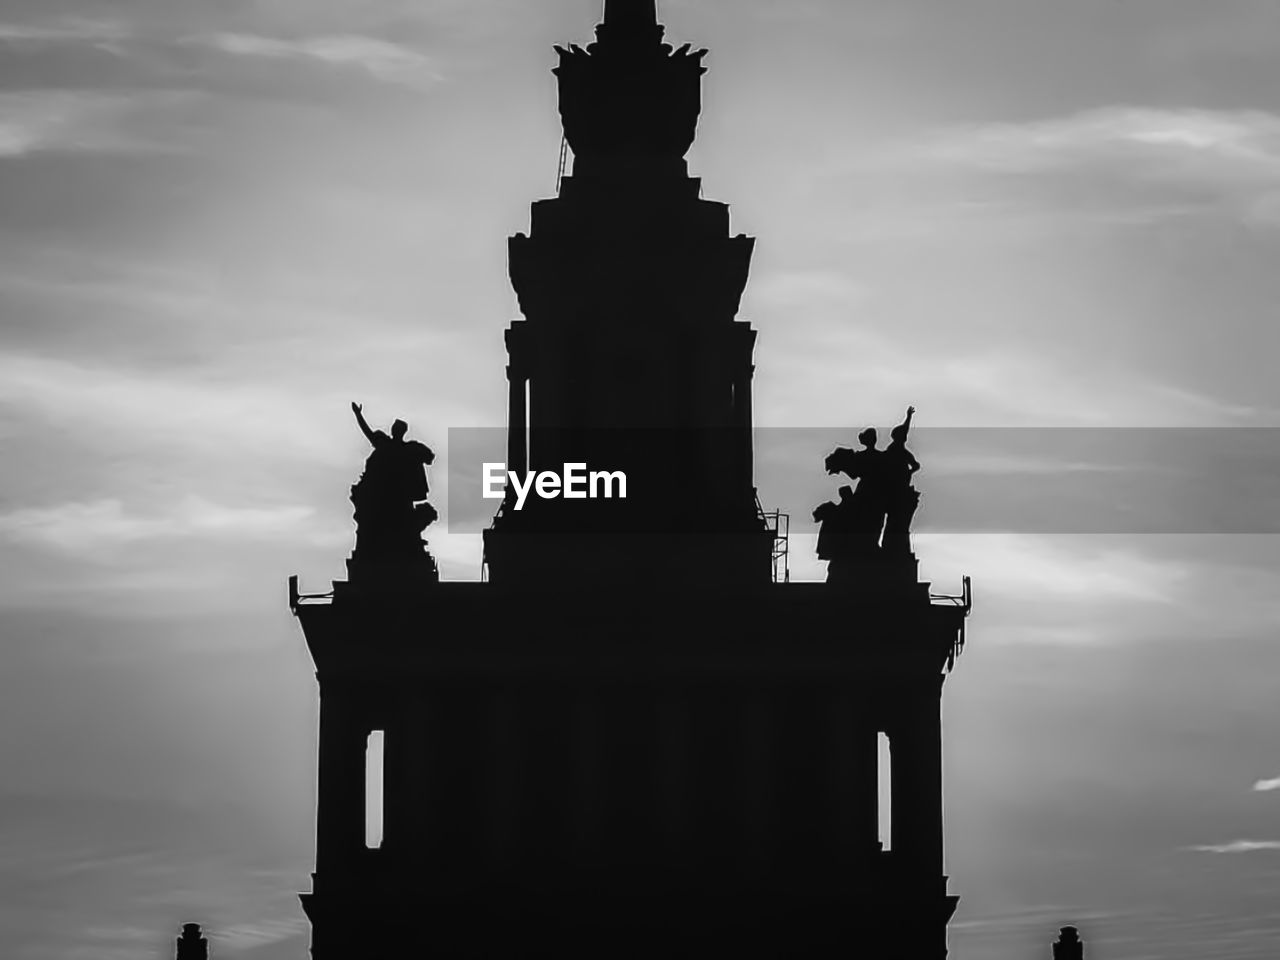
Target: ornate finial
{"points": [[631, 13], [873, 524], [630, 102]]}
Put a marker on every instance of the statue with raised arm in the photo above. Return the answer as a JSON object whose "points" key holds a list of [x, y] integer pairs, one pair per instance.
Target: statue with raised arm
{"points": [[901, 498], [390, 498], [872, 523]]}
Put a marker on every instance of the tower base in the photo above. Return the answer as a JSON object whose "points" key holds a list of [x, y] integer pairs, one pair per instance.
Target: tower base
{"points": [[643, 770]]}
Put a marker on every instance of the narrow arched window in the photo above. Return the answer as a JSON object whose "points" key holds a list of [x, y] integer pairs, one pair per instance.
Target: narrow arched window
{"points": [[884, 791], [374, 761]]}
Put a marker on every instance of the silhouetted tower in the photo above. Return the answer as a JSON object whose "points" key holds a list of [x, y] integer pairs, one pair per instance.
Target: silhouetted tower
{"points": [[630, 356], [1069, 945], [192, 945], [630, 741]]}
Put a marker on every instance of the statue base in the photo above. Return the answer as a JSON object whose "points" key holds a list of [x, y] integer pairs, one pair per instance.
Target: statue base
{"points": [[636, 771], [391, 574], [875, 573]]}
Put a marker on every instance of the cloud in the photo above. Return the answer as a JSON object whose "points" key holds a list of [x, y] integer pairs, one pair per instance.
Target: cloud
{"points": [[1066, 569], [1238, 846], [267, 931], [381, 59], [1003, 465], [830, 315], [184, 413], [1227, 32], [1266, 786], [102, 34], [79, 121], [828, 288], [1222, 158], [1043, 390], [1245, 142], [83, 528]]}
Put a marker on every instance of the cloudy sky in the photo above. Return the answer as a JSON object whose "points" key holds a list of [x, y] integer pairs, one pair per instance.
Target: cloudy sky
{"points": [[223, 220]]}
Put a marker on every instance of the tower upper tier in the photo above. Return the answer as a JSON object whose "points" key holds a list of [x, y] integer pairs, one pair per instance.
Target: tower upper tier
{"points": [[629, 98]]}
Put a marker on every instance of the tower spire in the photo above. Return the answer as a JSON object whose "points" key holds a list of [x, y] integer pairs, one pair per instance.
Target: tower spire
{"points": [[631, 13]]}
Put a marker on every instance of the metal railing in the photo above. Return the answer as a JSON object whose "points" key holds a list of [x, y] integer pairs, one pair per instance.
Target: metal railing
{"points": [[779, 524], [297, 598], [965, 602]]}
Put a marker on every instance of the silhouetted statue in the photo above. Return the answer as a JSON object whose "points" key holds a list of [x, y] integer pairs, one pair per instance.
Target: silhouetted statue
{"points": [[867, 509], [1069, 945], [837, 524], [875, 521], [192, 945], [390, 496], [901, 498]]}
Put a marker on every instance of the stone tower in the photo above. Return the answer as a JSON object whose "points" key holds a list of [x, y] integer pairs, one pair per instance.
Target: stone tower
{"points": [[631, 740]]}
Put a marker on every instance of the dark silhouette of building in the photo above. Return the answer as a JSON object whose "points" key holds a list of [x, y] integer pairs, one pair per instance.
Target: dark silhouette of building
{"points": [[631, 740], [1069, 945], [630, 357], [192, 945]]}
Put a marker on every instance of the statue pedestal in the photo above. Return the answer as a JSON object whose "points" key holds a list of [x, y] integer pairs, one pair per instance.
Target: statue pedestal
{"points": [[877, 575], [379, 576]]}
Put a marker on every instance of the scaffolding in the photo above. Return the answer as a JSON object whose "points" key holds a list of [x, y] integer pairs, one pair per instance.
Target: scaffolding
{"points": [[965, 602], [779, 524]]}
